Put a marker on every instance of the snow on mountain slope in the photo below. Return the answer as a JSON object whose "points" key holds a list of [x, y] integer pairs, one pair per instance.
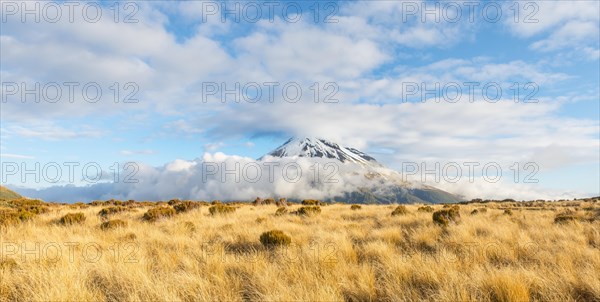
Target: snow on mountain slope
{"points": [[367, 180], [317, 147]]}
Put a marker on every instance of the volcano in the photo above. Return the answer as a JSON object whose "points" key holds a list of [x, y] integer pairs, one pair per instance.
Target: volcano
{"points": [[366, 180]]}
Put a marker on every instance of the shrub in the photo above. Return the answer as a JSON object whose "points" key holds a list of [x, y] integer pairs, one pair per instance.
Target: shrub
{"points": [[274, 238], [113, 224], [567, 217], [426, 209], [111, 211], [444, 217], [508, 212], [282, 202], [311, 202], [8, 217], [260, 220], [355, 207], [257, 202], [221, 209], [79, 205], [216, 202], [479, 210], [96, 203], [281, 211], [25, 215], [186, 206], [72, 218], [308, 211], [173, 201], [400, 210], [158, 213]]}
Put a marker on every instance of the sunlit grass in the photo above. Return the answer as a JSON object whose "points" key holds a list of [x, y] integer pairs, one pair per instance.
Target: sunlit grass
{"points": [[339, 254]]}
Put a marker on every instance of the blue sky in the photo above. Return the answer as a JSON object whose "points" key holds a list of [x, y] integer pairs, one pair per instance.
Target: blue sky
{"points": [[369, 53]]}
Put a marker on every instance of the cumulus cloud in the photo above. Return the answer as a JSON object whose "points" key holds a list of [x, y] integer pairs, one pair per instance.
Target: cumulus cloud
{"points": [[559, 26], [224, 177], [236, 178]]}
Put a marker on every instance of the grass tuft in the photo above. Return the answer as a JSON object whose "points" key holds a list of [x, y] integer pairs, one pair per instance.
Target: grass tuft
{"points": [[308, 211], [72, 218], [221, 209], [446, 216], [274, 238], [157, 213], [400, 210], [113, 224]]}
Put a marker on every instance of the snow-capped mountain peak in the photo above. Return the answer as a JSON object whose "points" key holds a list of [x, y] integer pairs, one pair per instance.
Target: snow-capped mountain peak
{"points": [[321, 148]]}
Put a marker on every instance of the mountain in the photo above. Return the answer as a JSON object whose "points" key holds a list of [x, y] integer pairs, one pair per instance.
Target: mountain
{"points": [[7, 194], [320, 148], [364, 180]]}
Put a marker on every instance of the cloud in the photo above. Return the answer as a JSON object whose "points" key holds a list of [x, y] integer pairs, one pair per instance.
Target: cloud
{"points": [[236, 178], [20, 156], [51, 131], [219, 176], [137, 152], [481, 131], [558, 26]]}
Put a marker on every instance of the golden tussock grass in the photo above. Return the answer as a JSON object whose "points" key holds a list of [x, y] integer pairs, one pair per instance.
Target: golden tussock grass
{"points": [[341, 254]]}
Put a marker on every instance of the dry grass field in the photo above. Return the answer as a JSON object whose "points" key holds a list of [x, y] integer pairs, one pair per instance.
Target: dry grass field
{"points": [[501, 252]]}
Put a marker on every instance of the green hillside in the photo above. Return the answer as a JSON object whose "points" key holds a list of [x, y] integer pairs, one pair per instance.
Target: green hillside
{"points": [[6, 194]]}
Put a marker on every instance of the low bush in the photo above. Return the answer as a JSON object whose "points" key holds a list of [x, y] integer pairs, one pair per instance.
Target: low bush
{"points": [[478, 211], [97, 203], [221, 209], [281, 211], [400, 210], [282, 202], [157, 213], [9, 217], [113, 224], [426, 209], [355, 207], [446, 216], [79, 205], [274, 238], [111, 211], [508, 212], [568, 217], [173, 202], [308, 211], [72, 218], [185, 206], [311, 202]]}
